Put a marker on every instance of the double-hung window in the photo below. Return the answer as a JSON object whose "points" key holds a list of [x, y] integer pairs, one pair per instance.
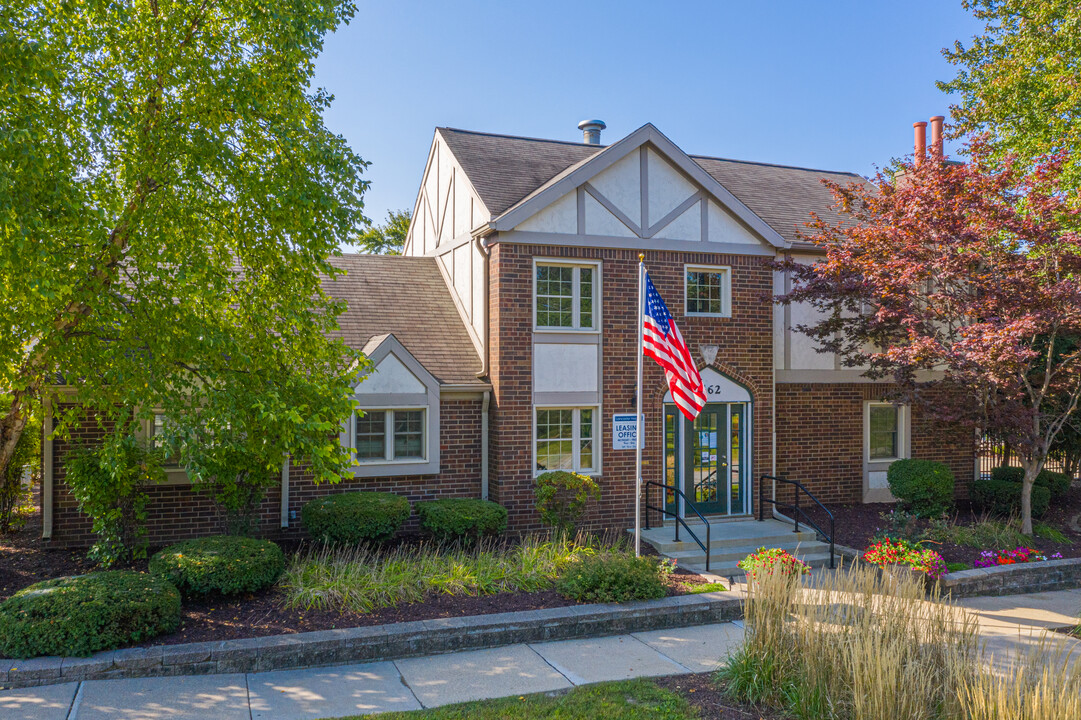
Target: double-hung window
{"points": [[566, 439], [390, 435], [708, 291], [565, 296], [883, 432]]}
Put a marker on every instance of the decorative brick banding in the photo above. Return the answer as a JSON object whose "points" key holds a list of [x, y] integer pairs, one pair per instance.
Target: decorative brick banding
{"points": [[378, 642]]}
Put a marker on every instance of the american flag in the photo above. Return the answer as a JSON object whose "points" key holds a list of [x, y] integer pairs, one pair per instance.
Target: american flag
{"points": [[662, 342]]}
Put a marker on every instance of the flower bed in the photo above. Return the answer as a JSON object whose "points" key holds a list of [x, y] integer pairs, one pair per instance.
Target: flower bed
{"points": [[901, 552], [764, 561], [991, 558]]}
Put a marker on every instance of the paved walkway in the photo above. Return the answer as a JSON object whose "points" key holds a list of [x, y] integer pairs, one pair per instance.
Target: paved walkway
{"points": [[377, 687]]}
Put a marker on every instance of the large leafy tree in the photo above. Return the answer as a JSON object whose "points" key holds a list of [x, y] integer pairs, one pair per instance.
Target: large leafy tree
{"points": [[170, 201], [968, 271], [1020, 80], [388, 238]]}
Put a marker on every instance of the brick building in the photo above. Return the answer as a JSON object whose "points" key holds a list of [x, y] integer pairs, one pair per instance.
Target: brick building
{"points": [[505, 339]]}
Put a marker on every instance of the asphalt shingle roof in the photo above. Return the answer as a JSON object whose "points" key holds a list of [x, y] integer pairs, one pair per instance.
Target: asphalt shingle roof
{"points": [[505, 169], [406, 297]]}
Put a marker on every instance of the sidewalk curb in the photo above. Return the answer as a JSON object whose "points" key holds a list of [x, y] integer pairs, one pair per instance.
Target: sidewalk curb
{"points": [[377, 642]]}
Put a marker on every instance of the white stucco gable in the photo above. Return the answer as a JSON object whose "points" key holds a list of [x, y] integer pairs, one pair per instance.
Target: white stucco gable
{"points": [[642, 187]]}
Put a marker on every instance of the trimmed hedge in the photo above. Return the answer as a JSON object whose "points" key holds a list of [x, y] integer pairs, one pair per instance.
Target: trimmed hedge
{"points": [[925, 486], [1004, 498], [225, 564], [351, 518], [461, 518], [1057, 483], [612, 577], [80, 615]]}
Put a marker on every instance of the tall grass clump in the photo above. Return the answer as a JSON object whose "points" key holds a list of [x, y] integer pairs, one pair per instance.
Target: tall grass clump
{"points": [[363, 578], [858, 644]]}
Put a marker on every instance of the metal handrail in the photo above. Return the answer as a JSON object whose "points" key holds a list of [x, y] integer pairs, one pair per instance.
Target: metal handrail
{"points": [[679, 520], [808, 520]]}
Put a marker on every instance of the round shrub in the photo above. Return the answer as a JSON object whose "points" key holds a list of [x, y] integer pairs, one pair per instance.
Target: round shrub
{"points": [[461, 518], [612, 577], [224, 564], [561, 498], [924, 486], [82, 614], [1001, 497], [355, 517], [1057, 483]]}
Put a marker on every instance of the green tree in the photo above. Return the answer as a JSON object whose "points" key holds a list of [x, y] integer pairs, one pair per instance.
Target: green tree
{"points": [[1020, 81], [389, 238], [170, 202]]}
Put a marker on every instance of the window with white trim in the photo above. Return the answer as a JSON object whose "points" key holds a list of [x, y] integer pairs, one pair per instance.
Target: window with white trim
{"points": [[883, 432], [565, 439], [390, 435], [707, 291], [565, 296]]}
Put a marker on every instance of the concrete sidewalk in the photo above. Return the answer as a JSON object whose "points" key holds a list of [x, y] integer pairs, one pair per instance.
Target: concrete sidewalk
{"points": [[406, 684]]}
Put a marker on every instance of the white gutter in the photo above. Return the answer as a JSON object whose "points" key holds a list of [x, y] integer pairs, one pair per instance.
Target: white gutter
{"points": [[483, 374]]}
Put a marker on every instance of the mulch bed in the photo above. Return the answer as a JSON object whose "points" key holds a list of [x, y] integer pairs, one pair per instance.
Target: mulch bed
{"points": [[857, 524], [707, 697], [24, 561]]}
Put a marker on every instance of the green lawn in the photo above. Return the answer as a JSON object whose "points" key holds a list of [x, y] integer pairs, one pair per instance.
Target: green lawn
{"points": [[626, 700]]}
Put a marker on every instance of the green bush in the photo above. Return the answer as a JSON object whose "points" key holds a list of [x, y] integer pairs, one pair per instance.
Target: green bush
{"points": [[924, 486], [562, 496], [355, 517], [83, 614], [110, 483], [1057, 483], [461, 518], [1004, 498], [612, 577], [225, 564]]}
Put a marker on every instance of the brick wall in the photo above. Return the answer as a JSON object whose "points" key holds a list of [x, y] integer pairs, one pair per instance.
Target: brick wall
{"points": [[177, 512], [820, 439], [745, 354]]}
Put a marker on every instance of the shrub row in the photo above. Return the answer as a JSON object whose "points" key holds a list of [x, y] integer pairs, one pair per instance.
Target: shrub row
{"points": [[352, 518], [1003, 497], [1057, 483]]}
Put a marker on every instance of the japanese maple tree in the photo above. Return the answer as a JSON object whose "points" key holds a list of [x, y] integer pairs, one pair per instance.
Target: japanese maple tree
{"points": [[966, 276]]}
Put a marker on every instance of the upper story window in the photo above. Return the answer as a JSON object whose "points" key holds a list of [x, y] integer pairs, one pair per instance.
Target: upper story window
{"points": [[565, 296], [708, 291], [389, 435]]}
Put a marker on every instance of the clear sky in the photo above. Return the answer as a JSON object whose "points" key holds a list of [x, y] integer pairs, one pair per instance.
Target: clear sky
{"points": [[815, 83]]}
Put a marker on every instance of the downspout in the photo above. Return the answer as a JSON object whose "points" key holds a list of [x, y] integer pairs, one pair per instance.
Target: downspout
{"points": [[482, 374]]}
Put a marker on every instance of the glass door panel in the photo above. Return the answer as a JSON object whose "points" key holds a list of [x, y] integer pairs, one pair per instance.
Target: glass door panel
{"points": [[672, 466], [707, 460], [737, 488]]}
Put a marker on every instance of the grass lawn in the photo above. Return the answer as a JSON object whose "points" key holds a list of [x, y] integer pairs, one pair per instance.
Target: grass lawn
{"points": [[625, 700]]}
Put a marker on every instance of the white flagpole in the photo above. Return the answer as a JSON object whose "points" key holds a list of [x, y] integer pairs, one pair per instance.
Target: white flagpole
{"points": [[638, 423]]}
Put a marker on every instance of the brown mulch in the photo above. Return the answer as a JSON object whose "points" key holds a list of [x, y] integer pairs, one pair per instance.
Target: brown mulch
{"points": [[24, 561], [857, 525], [707, 697]]}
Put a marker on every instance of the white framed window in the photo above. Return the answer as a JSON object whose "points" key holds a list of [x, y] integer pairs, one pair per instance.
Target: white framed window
{"points": [[707, 291], [391, 435], [884, 432], [566, 296], [566, 438]]}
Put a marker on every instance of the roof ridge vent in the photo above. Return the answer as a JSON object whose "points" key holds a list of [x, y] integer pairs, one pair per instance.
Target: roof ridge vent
{"points": [[591, 131]]}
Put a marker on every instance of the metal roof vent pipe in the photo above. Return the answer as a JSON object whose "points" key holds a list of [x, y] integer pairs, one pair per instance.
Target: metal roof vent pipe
{"points": [[591, 131]]}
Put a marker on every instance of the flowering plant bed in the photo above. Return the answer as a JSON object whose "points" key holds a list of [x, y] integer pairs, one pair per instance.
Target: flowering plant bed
{"points": [[990, 558], [773, 560], [888, 552]]}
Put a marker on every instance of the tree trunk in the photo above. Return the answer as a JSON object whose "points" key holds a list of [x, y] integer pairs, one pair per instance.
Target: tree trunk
{"points": [[12, 425], [1032, 469]]}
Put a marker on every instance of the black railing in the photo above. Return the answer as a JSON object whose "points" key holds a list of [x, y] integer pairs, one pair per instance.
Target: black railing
{"points": [[797, 510], [679, 520]]}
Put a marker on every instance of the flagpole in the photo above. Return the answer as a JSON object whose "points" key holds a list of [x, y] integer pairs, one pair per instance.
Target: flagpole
{"points": [[638, 422]]}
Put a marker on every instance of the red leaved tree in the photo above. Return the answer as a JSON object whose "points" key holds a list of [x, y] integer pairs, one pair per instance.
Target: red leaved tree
{"points": [[969, 272]]}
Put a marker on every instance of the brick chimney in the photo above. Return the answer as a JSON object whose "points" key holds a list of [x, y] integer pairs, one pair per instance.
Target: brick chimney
{"points": [[936, 137]]}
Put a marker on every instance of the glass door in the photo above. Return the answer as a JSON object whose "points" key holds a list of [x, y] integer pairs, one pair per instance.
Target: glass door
{"points": [[707, 458]]}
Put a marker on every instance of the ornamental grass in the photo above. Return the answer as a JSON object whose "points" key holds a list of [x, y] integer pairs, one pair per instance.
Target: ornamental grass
{"points": [[364, 578], [855, 645]]}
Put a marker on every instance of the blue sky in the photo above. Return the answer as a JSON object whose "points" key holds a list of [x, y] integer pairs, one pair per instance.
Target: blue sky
{"points": [[823, 84]]}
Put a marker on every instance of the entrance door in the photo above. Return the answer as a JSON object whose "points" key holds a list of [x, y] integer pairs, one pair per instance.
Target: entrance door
{"points": [[707, 459]]}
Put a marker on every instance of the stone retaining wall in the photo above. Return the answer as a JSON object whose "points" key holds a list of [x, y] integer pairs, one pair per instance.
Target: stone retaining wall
{"points": [[378, 642], [1014, 579]]}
